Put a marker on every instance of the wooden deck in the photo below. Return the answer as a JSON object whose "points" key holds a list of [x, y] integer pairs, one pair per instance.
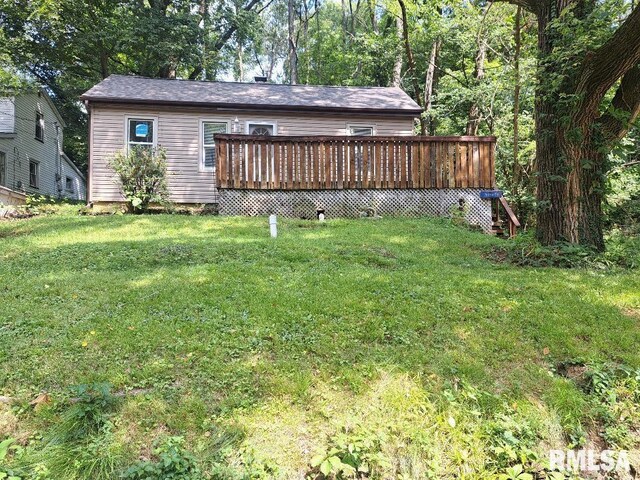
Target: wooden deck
{"points": [[346, 162]]}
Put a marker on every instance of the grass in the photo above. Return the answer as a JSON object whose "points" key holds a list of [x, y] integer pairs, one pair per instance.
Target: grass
{"points": [[396, 335]]}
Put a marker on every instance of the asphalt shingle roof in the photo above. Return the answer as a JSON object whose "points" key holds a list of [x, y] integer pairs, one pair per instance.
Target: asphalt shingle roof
{"points": [[133, 89]]}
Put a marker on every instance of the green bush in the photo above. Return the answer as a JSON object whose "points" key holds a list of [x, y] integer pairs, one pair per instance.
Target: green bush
{"points": [[142, 174]]}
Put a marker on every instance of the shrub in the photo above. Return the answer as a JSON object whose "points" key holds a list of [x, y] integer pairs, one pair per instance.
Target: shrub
{"points": [[142, 174]]}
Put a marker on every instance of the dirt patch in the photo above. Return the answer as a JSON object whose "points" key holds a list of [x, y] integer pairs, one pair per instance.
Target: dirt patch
{"points": [[575, 372], [631, 312]]}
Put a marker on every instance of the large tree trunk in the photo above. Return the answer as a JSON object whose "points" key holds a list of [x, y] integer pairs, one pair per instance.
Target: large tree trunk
{"points": [[570, 168], [573, 137]]}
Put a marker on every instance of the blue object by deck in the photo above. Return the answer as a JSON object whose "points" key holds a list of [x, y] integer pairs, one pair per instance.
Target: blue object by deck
{"points": [[490, 193]]}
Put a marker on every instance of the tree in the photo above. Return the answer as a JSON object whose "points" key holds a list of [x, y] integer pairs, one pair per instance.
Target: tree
{"points": [[583, 51]]}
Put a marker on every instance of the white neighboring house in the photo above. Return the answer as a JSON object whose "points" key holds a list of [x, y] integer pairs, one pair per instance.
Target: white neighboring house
{"points": [[31, 156]]}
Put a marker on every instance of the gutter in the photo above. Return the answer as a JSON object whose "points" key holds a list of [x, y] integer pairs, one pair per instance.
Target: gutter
{"points": [[254, 107]]}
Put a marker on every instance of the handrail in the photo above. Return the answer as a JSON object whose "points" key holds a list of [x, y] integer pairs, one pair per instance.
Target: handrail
{"points": [[254, 162]]}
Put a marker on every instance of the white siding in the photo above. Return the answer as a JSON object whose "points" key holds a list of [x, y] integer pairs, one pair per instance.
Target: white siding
{"points": [[78, 192], [23, 147], [7, 115], [179, 134]]}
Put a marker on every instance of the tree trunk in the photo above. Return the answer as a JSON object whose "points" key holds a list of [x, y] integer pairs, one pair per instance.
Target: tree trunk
{"points": [[570, 169], [517, 173], [474, 112], [396, 78], [429, 86], [293, 48], [411, 61]]}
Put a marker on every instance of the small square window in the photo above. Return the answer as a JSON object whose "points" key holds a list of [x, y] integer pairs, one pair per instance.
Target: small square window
{"points": [[140, 133], [34, 174], [69, 184], [39, 126]]}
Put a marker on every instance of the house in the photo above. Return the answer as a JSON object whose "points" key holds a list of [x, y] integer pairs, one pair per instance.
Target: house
{"points": [[183, 117], [258, 148], [31, 156]]}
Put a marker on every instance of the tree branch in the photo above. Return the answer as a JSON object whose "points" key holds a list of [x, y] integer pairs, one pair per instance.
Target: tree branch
{"points": [[531, 5], [602, 69], [625, 107]]}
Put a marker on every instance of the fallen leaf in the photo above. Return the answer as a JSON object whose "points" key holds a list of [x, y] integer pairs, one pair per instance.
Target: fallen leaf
{"points": [[85, 344], [545, 351], [41, 399]]}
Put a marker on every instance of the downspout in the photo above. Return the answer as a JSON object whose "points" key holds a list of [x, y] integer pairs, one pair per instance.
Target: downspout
{"points": [[16, 154], [58, 162]]}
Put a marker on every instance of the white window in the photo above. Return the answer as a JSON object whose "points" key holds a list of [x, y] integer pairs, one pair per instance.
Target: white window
{"points": [[40, 126], [3, 169], [141, 133], [209, 129], [361, 130], [34, 174], [261, 128], [69, 184]]}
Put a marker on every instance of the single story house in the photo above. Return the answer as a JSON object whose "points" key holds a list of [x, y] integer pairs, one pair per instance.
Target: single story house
{"points": [[294, 150], [182, 116], [31, 156]]}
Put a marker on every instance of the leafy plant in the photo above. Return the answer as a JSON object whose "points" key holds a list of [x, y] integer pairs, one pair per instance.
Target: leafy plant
{"points": [[88, 413], [5, 447], [516, 473], [142, 173], [352, 456], [173, 463]]}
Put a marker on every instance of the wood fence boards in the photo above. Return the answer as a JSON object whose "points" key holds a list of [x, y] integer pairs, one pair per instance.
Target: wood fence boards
{"points": [[328, 163]]}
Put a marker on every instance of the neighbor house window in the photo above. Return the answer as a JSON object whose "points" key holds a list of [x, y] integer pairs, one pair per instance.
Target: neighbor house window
{"points": [[40, 126], [209, 130], [261, 128], [69, 184], [34, 174], [140, 133], [3, 169], [361, 130]]}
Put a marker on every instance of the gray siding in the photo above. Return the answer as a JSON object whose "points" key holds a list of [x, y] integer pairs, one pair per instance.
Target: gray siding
{"points": [[179, 134], [23, 147]]}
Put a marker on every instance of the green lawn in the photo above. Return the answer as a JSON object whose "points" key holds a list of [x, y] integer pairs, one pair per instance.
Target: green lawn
{"points": [[396, 336]]}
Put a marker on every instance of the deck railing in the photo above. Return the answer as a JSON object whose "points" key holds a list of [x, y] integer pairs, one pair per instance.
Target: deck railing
{"points": [[348, 162]]}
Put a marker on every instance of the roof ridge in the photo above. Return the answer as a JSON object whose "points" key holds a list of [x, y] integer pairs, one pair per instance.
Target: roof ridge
{"points": [[208, 82]]}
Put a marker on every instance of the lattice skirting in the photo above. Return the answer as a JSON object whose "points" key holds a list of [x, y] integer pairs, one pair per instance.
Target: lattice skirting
{"points": [[355, 203]]}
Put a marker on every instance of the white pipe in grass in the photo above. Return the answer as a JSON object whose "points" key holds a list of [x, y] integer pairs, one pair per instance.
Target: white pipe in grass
{"points": [[273, 226]]}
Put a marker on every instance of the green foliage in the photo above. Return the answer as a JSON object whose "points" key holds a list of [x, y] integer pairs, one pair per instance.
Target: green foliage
{"points": [[5, 447], [526, 251], [352, 455], [173, 463], [88, 413], [81, 444], [616, 392], [142, 173]]}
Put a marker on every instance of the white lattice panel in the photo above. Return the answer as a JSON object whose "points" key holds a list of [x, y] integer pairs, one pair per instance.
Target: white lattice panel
{"points": [[352, 203]]}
